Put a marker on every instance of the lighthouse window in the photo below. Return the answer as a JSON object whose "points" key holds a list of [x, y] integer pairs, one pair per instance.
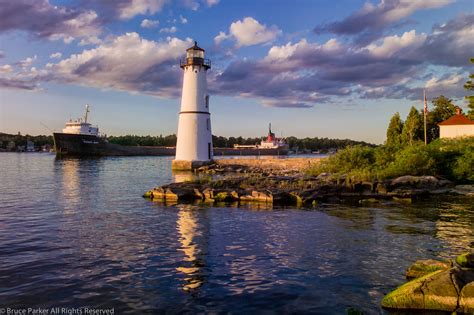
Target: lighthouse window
{"points": [[207, 101], [208, 124]]}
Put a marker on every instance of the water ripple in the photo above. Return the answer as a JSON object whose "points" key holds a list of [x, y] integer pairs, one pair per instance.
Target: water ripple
{"points": [[77, 233]]}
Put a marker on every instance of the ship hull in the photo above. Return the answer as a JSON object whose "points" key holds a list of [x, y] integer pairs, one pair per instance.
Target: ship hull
{"points": [[89, 145], [250, 151]]}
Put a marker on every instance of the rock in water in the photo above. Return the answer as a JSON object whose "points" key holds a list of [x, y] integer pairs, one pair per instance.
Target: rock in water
{"points": [[466, 300], [449, 289], [423, 267], [408, 295], [440, 292]]}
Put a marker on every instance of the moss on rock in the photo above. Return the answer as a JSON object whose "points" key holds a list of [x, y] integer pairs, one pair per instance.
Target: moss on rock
{"points": [[465, 260], [426, 266], [408, 295]]}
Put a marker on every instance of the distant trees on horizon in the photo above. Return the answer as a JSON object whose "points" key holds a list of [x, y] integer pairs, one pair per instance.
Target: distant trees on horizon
{"points": [[301, 144]]}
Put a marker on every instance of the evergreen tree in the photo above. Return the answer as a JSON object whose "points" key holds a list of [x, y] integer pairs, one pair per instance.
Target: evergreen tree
{"points": [[470, 98], [443, 108], [394, 130], [413, 127]]}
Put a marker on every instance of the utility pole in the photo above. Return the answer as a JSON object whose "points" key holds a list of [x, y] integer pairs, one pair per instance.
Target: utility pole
{"points": [[425, 112]]}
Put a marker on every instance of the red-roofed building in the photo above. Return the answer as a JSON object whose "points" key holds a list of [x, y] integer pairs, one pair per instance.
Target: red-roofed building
{"points": [[456, 126]]}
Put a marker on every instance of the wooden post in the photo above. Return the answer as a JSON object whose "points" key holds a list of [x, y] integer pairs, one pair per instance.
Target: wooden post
{"points": [[425, 112]]}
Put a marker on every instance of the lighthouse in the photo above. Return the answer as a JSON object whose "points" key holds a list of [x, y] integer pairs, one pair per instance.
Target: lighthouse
{"points": [[194, 145]]}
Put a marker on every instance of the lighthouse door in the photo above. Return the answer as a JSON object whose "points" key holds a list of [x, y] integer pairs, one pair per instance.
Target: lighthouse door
{"points": [[209, 150]]}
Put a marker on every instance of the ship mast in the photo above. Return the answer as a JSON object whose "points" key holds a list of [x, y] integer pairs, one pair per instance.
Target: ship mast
{"points": [[87, 112]]}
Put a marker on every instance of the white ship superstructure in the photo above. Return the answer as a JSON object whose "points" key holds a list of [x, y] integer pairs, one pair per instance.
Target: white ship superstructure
{"points": [[81, 126]]}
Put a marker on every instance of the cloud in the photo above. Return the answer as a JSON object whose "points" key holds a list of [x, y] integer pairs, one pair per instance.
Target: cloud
{"points": [[43, 20], [55, 55], [449, 84], [6, 69], [92, 40], [376, 17], [127, 9], [221, 37], [183, 20], [191, 4], [11, 83], [308, 73], [450, 43], [146, 23], [392, 45], [212, 2], [248, 32], [27, 62], [170, 30], [284, 103], [113, 65]]}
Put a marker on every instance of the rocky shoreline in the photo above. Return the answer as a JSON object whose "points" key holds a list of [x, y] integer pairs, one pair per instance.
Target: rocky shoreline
{"points": [[243, 183]]}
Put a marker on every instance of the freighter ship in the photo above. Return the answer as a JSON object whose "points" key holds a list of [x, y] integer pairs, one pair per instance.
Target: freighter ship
{"points": [[81, 138]]}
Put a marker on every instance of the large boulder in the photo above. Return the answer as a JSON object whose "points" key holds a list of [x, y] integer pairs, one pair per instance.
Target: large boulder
{"points": [[208, 194], [435, 291], [440, 292], [466, 299], [173, 193], [467, 190], [414, 181], [408, 295], [286, 198], [226, 196], [258, 196], [423, 267], [450, 289]]}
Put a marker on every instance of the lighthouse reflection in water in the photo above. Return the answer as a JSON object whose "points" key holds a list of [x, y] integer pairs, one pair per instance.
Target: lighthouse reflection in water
{"points": [[192, 236]]}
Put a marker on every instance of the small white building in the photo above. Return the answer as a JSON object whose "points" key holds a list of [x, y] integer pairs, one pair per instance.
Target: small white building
{"points": [[194, 143], [456, 126]]}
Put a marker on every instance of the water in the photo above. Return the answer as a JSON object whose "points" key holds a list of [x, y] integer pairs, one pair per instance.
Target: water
{"points": [[77, 233]]}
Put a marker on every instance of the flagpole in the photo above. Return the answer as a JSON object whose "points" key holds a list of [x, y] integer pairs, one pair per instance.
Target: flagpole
{"points": [[425, 110]]}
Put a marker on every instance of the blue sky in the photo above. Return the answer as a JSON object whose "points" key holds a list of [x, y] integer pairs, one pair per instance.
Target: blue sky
{"points": [[337, 69]]}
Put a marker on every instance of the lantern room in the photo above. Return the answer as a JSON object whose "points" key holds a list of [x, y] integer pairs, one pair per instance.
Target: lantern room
{"points": [[195, 57]]}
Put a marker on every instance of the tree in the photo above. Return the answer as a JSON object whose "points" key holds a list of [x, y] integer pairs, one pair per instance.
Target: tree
{"points": [[470, 98], [394, 130], [413, 127], [443, 109]]}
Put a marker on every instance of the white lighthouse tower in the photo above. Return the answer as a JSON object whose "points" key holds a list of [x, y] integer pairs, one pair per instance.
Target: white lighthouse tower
{"points": [[194, 146]]}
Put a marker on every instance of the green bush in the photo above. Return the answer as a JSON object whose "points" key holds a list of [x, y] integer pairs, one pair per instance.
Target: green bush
{"points": [[463, 169], [347, 160], [411, 160], [453, 159]]}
